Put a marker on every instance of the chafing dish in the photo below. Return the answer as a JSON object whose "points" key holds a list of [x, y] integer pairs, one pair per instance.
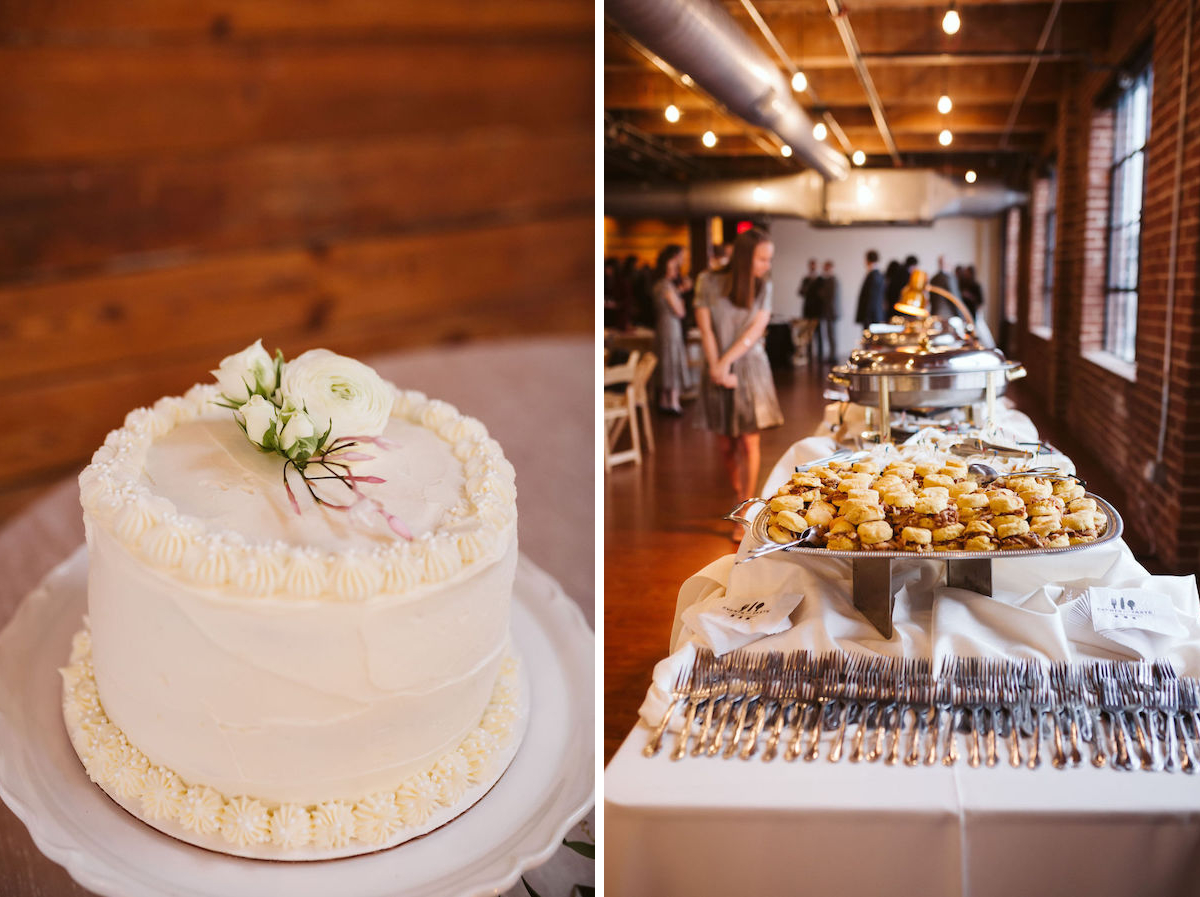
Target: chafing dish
{"points": [[925, 377]]}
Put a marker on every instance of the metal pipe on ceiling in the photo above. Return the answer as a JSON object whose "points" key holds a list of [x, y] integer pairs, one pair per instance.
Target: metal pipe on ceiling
{"points": [[701, 38], [841, 19]]}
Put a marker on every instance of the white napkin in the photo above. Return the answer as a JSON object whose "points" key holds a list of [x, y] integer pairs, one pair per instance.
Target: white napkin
{"points": [[1178, 629], [725, 623]]}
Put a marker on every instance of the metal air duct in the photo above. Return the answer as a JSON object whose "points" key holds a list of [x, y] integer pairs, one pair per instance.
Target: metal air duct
{"points": [[700, 38]]}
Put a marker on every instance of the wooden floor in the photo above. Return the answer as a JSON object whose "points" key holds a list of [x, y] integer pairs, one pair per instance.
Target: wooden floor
{"points": [[662, 523]]}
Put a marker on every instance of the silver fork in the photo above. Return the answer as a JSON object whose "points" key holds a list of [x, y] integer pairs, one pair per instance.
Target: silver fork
{"points": [[1110, 703], [990, 676], [751, 693], [941, 704], [1010, 686], [790, 694], [771, 679], [1039, 704], [806, 695], [735, 689], [699, 688], [903, 699], [1132, 700], [829, 693], [887, 704], [954, 701], [871, 691], [678, 692], [922, 700], [850, 692], [718, 688], [1189, 704]]}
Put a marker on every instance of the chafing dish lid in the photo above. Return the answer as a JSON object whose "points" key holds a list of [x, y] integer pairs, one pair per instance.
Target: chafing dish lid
{"points": [[926, 359]]}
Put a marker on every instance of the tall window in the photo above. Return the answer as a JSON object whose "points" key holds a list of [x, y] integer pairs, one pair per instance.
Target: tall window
{"points": [[1126, 186], [1049, 220]]}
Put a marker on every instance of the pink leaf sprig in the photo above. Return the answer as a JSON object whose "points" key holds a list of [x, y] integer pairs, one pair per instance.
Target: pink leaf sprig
{"points": [[334, 461]]}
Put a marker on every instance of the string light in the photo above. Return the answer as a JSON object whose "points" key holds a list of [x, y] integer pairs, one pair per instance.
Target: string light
{"points": [[944, 105], [709, 139], [672, 113], [859, 157], [970, 176], [799, 82], [785, 151], [945, 137], [951, 21], [820, 132], [759, 194]]}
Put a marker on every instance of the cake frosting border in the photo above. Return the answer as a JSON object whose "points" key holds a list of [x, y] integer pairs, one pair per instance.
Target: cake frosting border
{"points": [[374, 820], [472, 532]]}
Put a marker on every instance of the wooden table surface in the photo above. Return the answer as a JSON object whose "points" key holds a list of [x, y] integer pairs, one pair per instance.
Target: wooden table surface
{"points": [[536, 398]]}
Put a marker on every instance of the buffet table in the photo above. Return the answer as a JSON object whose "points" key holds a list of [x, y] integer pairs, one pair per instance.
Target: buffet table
{"points": [[705, 825], [536, 401]]}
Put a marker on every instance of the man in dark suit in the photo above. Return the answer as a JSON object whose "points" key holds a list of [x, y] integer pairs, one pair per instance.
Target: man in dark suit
{"points": [[829, 307], [940, 305], [872, 308]]}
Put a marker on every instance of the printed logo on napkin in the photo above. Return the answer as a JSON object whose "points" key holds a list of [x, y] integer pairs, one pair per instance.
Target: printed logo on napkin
{"points": [[1134, 609], [725, 623]]}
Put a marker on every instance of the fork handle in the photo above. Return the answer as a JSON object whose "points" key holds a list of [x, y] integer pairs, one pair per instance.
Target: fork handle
{"points": [[737, 728], [973, 742], [1145, 756], [1035, 757], [1060, 758], [705, 727], [914, 744], [991, 739], [856, 750], [1014, 740], [719, 735], [1185, 762], [880, 734], [654, 745], [776, 731], [835, 749], [1076, 756], [760, 719], [793, 748], [935, 718], [893, 754], [1118, 726], [686, 732], [814, 740], [951, 755]]}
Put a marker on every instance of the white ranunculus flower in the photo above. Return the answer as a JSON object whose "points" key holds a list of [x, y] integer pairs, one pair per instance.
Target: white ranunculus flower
{"points": [[333, 388], [299, 426], [252, 367], [259, 416]]}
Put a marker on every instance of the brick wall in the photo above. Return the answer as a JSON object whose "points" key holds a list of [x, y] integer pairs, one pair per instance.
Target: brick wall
{"points": [[1114, 410]]}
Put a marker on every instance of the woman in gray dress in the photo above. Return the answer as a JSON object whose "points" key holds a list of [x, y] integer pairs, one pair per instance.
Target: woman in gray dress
{"points": [[733, 307], [669, 312]]}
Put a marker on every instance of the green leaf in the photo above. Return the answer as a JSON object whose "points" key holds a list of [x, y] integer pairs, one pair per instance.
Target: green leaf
{"points": [[583, 848], [532, 892]]}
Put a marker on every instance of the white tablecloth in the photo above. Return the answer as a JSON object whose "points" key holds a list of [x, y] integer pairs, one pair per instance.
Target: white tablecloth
{"points": [[709, 826]]}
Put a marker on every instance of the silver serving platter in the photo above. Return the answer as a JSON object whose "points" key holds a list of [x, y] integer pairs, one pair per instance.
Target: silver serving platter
{"points": [[758, 538]]}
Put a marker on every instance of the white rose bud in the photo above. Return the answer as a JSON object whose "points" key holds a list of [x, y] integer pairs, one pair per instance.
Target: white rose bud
{"points": [[259, 416], [249, 371], [299, 426], [337, 390]]}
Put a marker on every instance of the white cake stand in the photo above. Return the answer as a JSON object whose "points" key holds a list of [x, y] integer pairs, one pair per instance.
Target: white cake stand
{"points": [[518, 824]]}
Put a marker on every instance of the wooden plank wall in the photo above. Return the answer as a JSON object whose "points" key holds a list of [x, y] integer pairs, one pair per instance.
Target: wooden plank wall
{"points": [[180, 177]]}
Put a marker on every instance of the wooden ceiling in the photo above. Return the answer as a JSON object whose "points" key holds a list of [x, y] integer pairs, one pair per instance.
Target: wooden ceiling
{"points": [[912, 62]]}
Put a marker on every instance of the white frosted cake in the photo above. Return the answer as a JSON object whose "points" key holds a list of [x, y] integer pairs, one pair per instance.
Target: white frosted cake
{"points": [[298, 611]]}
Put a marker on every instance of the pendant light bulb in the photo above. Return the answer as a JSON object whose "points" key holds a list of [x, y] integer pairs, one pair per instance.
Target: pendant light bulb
{"points": [[944, 105], [820, 132], [951, 21], [859, 157], [709, 139], [970, 176], [799, 82], [945, 137], [785, 151], [672, 113]]}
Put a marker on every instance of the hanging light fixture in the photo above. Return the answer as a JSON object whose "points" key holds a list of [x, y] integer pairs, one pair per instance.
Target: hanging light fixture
{"points": [[970, 176], [820, 132], [944, 105], [709, 139], [672, 113], [799, 82], [859, 157], [951, 21], [785, 151], [945, 137]]}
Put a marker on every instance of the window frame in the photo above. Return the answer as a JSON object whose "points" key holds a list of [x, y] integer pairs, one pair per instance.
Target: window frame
{"points": [[1123, 295]]}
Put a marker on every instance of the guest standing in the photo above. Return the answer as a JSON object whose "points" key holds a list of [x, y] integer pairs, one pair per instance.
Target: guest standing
{"points": [[733, 306], [972, 290], [940, 305], [669, 312], [829, 306], [872, 308], [809, 301]]}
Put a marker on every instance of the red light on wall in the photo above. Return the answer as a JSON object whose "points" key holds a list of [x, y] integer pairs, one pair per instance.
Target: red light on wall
{"points": [[743, 226]]}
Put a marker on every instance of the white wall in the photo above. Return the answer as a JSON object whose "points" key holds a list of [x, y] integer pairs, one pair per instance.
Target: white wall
{"points": [[963, 241]]}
